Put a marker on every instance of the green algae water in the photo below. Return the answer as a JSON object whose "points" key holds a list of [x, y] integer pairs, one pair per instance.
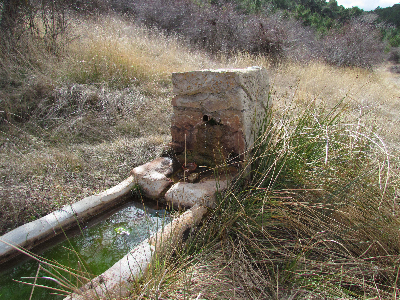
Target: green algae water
{"points": [[99, 246]]}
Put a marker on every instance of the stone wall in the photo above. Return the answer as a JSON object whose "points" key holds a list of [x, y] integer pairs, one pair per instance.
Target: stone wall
{"points": [[219, 112]]}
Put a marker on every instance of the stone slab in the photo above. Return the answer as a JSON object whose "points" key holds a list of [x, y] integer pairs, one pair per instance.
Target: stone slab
{"points": [[189, 194], [215, 81], [152, 177]]}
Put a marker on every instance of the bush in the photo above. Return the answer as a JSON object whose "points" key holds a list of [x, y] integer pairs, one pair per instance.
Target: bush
{"points": [[221, 28], [355, 44], [394, 55]]}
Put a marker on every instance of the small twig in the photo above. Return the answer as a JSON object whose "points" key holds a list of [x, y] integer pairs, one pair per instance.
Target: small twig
{"points": [[185, 150], [34, 283], [184, 170], [326, 146]]}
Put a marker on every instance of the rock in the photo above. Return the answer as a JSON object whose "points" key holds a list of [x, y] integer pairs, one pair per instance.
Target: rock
{"points": [[152, 177], [189, 194]]}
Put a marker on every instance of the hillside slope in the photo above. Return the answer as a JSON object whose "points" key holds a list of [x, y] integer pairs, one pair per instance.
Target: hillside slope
{"points": [[319, 217]]}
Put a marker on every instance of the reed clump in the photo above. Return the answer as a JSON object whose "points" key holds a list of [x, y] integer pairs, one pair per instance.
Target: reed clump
{"points": [[318, 219]]}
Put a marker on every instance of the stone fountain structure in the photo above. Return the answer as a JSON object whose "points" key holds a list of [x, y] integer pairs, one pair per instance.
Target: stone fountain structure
{"points": [[216, 115]]}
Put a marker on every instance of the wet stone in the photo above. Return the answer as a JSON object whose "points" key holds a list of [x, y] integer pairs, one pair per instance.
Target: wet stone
{"points": [[152, 177], [187, 194]]}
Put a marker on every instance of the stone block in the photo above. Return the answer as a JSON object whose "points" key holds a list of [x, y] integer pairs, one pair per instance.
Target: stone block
{"points": [[152, 177], [189, 194], [219, 112]]}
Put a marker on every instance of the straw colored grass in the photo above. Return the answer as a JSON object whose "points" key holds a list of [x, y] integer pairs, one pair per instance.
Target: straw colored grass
{"points": [[117, 52], [88, 118], [369, 93], [318, 220]]}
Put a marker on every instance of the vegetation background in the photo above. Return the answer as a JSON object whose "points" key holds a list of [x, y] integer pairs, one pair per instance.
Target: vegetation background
{"points": [[85, 95]]}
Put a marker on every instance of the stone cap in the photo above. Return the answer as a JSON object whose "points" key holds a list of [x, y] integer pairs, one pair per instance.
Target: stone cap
{"points": [[215, 81]]}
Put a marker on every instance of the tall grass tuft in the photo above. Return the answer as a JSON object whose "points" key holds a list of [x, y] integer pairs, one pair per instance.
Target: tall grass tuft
{"points": [[58, 278], [317, 219]]}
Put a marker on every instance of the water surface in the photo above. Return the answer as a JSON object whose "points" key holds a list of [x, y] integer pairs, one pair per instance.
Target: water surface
{"points": [[99, 246]]}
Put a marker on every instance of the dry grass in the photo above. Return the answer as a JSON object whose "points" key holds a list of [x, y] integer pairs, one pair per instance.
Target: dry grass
{"points": [[105, 108], [372, 95], [93, 116], [39, 181], [119, 53]]}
